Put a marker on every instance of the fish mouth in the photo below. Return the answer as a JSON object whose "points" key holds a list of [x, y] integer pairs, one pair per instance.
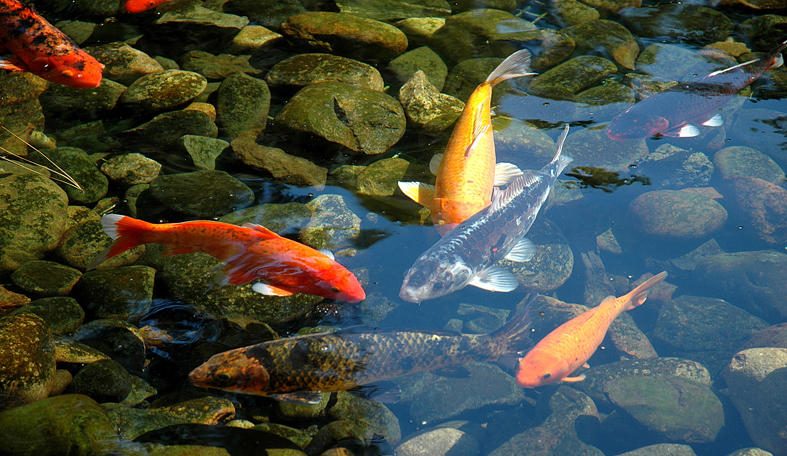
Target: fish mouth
{"points": [[410, 295]]}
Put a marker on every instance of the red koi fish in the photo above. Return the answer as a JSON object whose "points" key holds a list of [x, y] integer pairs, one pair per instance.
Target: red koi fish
{"points": [[40, 48], [678, 111], [571, 344], [139, 6], [251, 253]]}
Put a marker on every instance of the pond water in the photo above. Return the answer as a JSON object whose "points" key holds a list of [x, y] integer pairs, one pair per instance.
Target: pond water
{"points": [[302, 116]]}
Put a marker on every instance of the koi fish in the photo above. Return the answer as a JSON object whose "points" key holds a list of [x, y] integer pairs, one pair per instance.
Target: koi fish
{"points": [[466, 172], [467, 255], [572, 344], [42, 49], [139, 6], [679, 110], [251, 253], [342, 361]]}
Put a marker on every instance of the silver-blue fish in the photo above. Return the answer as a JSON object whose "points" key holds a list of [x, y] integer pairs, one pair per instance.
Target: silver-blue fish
{"points": [[467, 254]]}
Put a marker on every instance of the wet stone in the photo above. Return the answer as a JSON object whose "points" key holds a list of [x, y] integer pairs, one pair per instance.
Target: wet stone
{"points": [[165, 129], [433, 397], [571, 77], [752, 451], [299, 410], [217, 66], [283, 167], [10, 299], [479, 33], [184, 193], [198, 19], [165, 90], [756, 378], [671, 407], [280, 218], [300, 437], [346, 34], [123, 293], [370, 417], [764, 205], [123, 63], [84, 242], [242, 105], [742, 161], [381, 177], [439, 442], [32, 218], [686, 22], [613, 6], [104, 381], [131, 169], [573, 12], [77, 163], [426, 108], [552, 263], [386, 10], [420, 59], [662, 449], [359, 119], [674, 167], [203, 150], [91, 102], [333, 224], [755, 281], [677, 214], [614, 39], [557, 434], [117, 339], [69, 351], [521, 143], [467, 74], [45, 278], [253, 38], [708, 330], [304, 69], [419, 30], [79, 31], [670, 62], [62, 314], [772, 336], [67, 424]]}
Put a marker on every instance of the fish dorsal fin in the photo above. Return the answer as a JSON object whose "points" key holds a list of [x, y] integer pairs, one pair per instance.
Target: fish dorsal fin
{"points": [[328, 253], [269, 290], [504, 172], [434, 163], [732, 68], [514, 66], [501, 197], [495, 278], [268, 234], [419, 192], [716, 121]]}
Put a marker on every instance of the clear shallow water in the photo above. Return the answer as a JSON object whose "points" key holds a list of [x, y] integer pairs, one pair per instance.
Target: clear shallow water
{"points": [[389, 242]]}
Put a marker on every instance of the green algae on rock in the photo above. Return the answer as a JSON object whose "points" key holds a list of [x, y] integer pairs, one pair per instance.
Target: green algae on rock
{"points": [[552, 263], [423, 59], [615, 40], [571, 77], [742, 161], [677, 214], [183, 192], [304, 69], [283, 166], [123, 63], [45, 278], [333, 225], [117, 339], [104, 381], [242, 105], [166, 129], [426, 108], [131, 169], [359, 119], [123, 293], [217, 66], [164, 90], [386, 10], [281, 218], [203, 150], [63, 314], [77, 163], [94, 102]]}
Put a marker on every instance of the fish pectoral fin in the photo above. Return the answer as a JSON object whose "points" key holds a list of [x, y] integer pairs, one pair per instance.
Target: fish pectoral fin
{"points": [[269, 290], [300, 397], [586, 366], [734, 67], [327, 253], [523, 251], [495, 278], [686, 131], [478, 132], [504, 172], [10, 64], [434, 163], [576, 379], [419, 192], [715, 121]]}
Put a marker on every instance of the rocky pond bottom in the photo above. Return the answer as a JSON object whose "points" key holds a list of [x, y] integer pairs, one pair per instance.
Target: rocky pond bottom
{"points": [[303, 116]]}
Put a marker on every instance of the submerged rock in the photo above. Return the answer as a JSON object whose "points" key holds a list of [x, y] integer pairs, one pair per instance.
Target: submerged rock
{"points": [[203, 150], [422, 59], [304, 69], [243, 104], [167, 128], [677, 214], [609, 37], [62, 314], [370, 417], [93, 103], [104, 381], [68, 424], [764, 205], [426, 108], [557, 434], [124, 293], [574, 12], [571, 77], [79, 165], [131, 169], [32, 218], [679, 22], [165, 90], [283, 166], [386, 10], [123, 63], [419, 30], [742, 161], [217, 66], [442, 441], [253, 38], [284, 218], [343, 33], [756, 379], [186, 193], [662, 449], [333, 224], [673, 167], [45, 278], [359, 119], [552, 263], [117, 339]]}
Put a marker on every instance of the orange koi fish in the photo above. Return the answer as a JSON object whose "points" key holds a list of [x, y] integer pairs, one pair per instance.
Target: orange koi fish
{"points": [[571, 344], [42, 49], [252, 253], [466, 172], [139, 6]]}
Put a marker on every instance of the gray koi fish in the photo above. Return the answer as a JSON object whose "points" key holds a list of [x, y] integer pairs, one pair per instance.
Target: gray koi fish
{"points": [[467, 254]]}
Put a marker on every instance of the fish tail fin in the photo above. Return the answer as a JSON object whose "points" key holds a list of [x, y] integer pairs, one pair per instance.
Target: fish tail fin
{"points": [[127, 232], [515, 65], [639, 295], [560, 161], [516, 331]]}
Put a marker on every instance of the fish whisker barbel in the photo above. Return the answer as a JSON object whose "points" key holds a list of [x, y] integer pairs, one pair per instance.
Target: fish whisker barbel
{"points": [[62, 176]]}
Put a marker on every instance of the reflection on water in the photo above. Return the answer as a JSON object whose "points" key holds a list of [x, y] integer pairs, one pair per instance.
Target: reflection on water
{"points": [[700, 364]]}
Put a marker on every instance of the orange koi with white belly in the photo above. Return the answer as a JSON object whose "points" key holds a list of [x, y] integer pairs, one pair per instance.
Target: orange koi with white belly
{"points": [[251, 253], [42, 49], [466, 172], [571, 344]]}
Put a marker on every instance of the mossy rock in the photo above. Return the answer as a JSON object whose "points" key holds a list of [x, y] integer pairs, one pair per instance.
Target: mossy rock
{"points": [[79, 165], [420, 59], [45, 278], [571, 77], [242, 105], [304, 69], [386, 10], [123, 293], [184, 193], [677, 214], [217, 66], [281, 218], [613, 39], [167, 128], [123, 63], [63, 314], [165, 90], [104, 381], [27, 363], [91, 102]]}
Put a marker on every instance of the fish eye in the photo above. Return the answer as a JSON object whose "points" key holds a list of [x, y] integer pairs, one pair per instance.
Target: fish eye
{"points": [[546, 376], [222, 379], [334, 289]]}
